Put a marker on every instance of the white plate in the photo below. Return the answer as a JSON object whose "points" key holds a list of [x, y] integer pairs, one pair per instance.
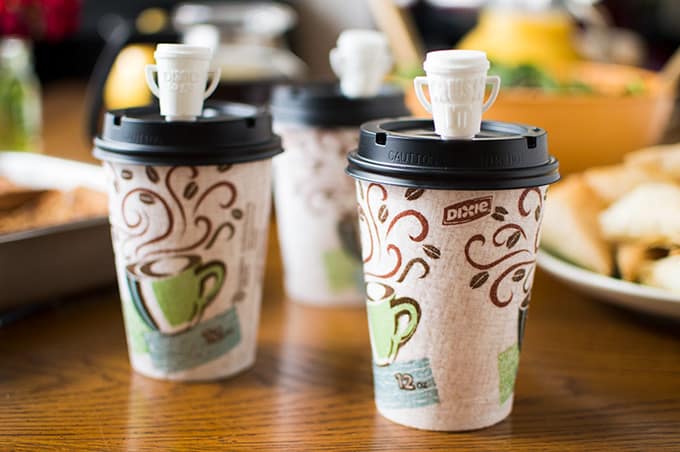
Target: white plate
{"points": [[610, 290]]}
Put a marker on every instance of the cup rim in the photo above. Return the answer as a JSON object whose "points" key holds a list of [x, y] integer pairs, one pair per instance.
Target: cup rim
{"points": [[182, 51], [193, 261], [354, 38], [448, 61], [389, 292]]}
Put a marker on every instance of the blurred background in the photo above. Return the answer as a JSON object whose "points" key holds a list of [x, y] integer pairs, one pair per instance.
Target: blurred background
{"points": [[647, 31], [538, 45]]}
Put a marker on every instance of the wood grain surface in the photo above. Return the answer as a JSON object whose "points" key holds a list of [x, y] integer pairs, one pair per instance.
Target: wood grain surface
{"points": [[592, 377]]}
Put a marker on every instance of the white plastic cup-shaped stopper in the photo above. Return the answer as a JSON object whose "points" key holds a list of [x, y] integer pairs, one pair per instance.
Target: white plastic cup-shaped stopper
{"points": [[361, 59], [183, 73], [457, 80]]}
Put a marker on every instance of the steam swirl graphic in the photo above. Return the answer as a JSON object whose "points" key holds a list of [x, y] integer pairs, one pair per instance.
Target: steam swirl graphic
{"points": [[160, 205], [382, 242]]}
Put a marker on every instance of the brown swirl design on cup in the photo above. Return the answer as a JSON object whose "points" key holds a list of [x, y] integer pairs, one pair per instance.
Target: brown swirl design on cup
{"points": [[514, 266], [141, 224], [379, 226], [181, 205]]}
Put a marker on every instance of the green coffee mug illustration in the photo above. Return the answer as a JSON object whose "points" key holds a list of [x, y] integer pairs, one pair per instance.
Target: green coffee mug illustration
{"points": [[385, 311], [170, 293]]}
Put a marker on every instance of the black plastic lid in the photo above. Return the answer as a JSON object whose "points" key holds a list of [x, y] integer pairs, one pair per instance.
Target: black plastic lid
{"points": [[407, 152], [226, 132], [322, 104]]}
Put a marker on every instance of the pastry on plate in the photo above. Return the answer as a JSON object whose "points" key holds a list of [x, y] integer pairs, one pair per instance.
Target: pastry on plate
{"points": [[29, 209], [663, 159], [650, 214], [631, 258], [6, 185], [570, 227], [663, 273], [612, 182]]}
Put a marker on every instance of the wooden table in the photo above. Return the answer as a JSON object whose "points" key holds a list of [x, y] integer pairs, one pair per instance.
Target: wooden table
{"points": [[592, 377]]}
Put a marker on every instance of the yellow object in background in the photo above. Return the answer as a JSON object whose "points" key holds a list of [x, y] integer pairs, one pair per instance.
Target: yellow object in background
{"points": [[515, 37], [125, 85]]}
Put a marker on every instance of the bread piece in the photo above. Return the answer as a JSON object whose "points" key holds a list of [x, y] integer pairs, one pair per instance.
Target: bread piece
{"points": [[54, 207], [664, 274], [631, 258], [612, 182], [650, 214], [664, 159], [6, 185], [570, 226], [88, 203], [50, 207]]}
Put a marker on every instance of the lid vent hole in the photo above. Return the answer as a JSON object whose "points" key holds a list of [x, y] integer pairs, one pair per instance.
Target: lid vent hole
{"points": [[116, 120], [250, 122], [381, 138], [531, 142]]}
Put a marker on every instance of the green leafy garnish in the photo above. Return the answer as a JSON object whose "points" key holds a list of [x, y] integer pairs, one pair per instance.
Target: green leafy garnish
{"points": [[532, 76]]}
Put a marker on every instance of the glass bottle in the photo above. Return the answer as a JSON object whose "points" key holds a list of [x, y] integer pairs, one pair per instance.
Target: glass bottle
{"points": [[20, 104]]}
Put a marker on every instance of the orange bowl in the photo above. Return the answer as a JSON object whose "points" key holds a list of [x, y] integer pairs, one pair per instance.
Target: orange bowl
{"points": [[587, 130]]}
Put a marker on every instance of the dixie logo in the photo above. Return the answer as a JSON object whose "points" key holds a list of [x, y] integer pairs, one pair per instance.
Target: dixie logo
{"points": [[467, 211]]}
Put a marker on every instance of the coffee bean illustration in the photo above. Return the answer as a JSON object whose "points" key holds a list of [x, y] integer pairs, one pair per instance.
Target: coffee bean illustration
{"points": [[414, 193], [146, 198], [126, 174], [519, 275], [479, 279], [513, 239], [382, 213], [190, 190], [152, 174], [432, 251]]}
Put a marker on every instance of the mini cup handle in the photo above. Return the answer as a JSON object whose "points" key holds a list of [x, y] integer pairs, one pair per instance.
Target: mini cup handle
{"points": [[215, 74], [418, 83], [150, 82], [495, 82]]}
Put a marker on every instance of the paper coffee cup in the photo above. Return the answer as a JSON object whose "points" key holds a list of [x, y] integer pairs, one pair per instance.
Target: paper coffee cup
{"points": [[189, 238], [316, 216], [190, 245], [315, 200], [449, 276], [449, 254]]}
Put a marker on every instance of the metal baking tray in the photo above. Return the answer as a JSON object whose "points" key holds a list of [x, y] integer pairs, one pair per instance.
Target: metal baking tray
{"points": [[47, 264]]}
